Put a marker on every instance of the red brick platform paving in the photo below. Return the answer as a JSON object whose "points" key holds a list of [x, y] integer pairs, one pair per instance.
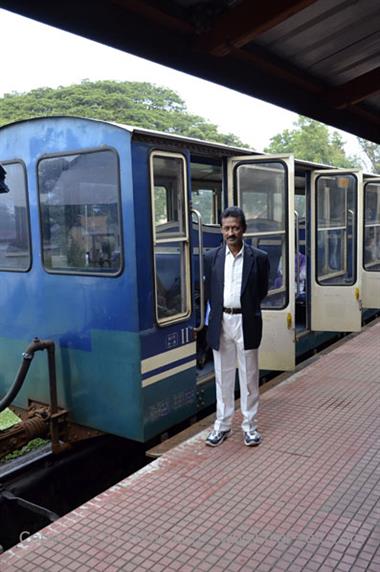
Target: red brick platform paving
{"points": [[306, 499]]}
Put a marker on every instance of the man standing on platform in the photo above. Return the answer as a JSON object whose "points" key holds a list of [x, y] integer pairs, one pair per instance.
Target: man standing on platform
{"points": [[236, 281]]}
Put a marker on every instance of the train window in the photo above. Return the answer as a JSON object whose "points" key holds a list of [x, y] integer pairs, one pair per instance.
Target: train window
{"points": [[80, 213], [262, 194], [300, 205], [161, 205], [15, 251], [371, 258], [336, 224], [169, 197], [203, 201], [170, 237], [206, 191]]}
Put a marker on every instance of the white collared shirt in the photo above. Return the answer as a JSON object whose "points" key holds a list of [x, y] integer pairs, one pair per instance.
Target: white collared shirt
{"points": [[233, 272]]}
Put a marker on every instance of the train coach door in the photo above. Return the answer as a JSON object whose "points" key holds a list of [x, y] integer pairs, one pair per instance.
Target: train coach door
{"points": [[371, 244], [336, 257], [264, 188]]}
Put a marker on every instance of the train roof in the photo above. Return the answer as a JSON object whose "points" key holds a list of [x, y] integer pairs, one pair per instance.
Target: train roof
{"points": [[194, 143], [143, 132]]}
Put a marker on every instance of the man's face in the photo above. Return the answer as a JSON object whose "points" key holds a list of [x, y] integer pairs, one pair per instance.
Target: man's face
{"points": [[232, 231]]}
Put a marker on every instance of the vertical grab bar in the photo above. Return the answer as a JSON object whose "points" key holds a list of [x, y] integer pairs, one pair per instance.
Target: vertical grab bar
{"points": [[201, 272], [354, 245], [297, 244]]}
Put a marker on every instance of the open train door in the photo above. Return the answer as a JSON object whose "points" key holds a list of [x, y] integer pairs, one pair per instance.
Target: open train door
{"points": [[336, 252], [263, 186], [371, 244]]}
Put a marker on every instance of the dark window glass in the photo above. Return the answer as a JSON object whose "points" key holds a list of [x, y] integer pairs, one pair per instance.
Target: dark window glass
{"points": [[170, 263], [171, 237], [169, 196], [80, 213], [371, 258], [336, 228], [14, 225], [262, 194]]}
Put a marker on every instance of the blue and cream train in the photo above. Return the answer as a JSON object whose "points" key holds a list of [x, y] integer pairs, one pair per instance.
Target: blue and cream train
{"points": [[101, 232]]}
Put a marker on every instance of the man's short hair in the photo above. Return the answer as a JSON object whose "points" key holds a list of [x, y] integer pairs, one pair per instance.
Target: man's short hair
{"points": [[235, 212]]}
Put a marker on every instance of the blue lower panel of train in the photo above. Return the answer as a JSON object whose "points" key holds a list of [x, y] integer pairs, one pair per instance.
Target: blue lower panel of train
{"points": [[101, 387], [168, 402]]}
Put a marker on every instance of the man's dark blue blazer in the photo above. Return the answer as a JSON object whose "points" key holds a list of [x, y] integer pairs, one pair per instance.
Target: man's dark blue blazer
{"points": [[254, 288]]}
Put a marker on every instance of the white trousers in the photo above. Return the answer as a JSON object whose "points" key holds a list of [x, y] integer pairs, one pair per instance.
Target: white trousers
{"points": [[231, 353]]}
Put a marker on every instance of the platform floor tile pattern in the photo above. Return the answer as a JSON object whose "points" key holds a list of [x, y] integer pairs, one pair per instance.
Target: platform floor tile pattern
{"points": [[306, 499]]}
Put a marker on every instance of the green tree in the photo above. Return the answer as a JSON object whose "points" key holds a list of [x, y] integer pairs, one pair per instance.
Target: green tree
{"points": [[140, 104], [372, 151], [312, 141]]}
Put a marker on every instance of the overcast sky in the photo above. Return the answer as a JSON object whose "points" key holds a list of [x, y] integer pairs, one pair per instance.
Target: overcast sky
{"points": [[36, 55]]}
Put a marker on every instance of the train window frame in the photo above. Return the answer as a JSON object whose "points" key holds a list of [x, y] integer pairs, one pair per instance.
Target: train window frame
{"points": [[255, 236], [368, 267], [20, 162], [72, 153], [342, 226], [183, 239]]}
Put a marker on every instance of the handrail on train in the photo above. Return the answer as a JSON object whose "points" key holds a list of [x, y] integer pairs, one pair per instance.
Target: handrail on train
{"points": [[297, 269]]}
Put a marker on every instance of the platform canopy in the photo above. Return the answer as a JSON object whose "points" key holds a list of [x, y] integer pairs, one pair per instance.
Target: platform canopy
{"points": [[319, 58]]}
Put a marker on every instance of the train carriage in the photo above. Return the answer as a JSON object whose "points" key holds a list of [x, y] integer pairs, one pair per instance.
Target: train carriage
{"points": [[102, 231]]}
